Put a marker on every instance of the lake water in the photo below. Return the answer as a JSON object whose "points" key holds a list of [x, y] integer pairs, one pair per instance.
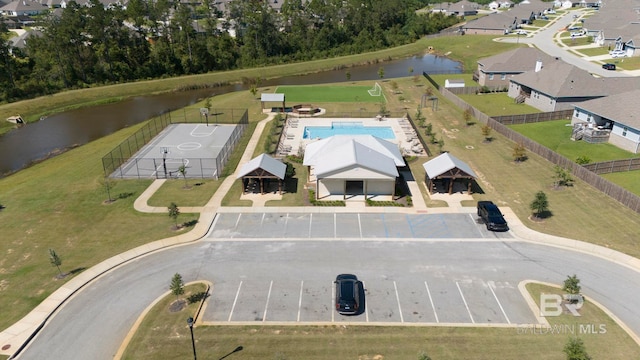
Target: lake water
{"points": [[42, 139]]}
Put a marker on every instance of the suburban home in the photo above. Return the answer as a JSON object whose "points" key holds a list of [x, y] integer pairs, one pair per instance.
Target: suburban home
{"points": [[616, 26], [497, 70], [353, 165], [23, 8], [621, 123], [557, 85], [460, 8], [504, 22]]}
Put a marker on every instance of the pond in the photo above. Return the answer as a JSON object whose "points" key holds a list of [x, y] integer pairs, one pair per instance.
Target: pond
{"points": [[59, 132]]}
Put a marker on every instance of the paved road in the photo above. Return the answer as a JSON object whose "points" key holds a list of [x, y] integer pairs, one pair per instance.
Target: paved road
{"points": [[290, 280], [544, 40]]}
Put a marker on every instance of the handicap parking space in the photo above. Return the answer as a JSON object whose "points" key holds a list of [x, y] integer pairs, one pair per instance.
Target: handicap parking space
{"points": [[430, 301], [349, 226]]}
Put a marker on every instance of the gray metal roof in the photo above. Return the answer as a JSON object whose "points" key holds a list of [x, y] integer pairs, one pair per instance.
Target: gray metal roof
{"points": [[626, 111], [265, 162], [315, 151], [272, 97], [445, 162], [343, 152]]}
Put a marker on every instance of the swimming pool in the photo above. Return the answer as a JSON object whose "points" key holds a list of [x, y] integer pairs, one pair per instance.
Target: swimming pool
{"points": [[347, 128]]}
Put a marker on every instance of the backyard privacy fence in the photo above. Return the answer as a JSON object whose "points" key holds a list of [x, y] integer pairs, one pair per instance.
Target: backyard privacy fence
{"points": [[533, 118], [606, 167], [209, 167], [584, 173]]}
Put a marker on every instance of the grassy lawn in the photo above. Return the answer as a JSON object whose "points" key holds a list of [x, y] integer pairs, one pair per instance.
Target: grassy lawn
{"points": [[596, 51], [316, 94], [577, 41], [557, 136], [494, 104], [632, 63], [165, 335], [193, 192], [469, 49], [628, 180]]}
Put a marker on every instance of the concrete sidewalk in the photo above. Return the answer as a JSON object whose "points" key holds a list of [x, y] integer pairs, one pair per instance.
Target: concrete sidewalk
{"points": [[19, 334]]}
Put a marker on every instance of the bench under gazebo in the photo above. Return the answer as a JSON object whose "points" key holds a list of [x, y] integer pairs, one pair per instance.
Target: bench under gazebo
{"points": [[262, 169], [448, 167]]}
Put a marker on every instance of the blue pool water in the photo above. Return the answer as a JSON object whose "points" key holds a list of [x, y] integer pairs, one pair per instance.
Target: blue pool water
{"points": [[347, 128]]}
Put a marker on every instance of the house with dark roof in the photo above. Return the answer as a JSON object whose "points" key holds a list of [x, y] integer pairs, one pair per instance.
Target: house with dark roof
{"points": [[460, 8], [617, 116], [498, 70], [503, 22], [557, 85]]}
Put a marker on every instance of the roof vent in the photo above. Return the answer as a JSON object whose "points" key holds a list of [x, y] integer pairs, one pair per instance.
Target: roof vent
{"points": [[538, 65]]}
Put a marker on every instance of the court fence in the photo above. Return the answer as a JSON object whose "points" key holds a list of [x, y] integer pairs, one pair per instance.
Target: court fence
{"points": [[122, 155]]}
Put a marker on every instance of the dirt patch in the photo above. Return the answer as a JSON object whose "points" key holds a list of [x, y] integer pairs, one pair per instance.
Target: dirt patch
{"points": [[177, 305]]}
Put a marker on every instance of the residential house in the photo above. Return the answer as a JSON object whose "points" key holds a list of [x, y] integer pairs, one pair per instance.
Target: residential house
{"points": [[353, 165], [503, 22], [558, 85], [616, 26], [460, 8], [616, 115], [497, 70], [22, 8]]}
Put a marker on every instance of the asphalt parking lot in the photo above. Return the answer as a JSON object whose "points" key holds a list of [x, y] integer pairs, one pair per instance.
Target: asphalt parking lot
{"points": [[349, 226], [388, 298], [386, 301]]}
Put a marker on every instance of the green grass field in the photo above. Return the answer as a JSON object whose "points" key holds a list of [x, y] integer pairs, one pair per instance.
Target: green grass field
{"points": [[627, 179], [328, 94], [557, 136]]}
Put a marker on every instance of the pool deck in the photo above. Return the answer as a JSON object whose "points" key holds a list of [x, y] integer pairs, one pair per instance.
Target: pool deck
{"points": [[405, 136]]}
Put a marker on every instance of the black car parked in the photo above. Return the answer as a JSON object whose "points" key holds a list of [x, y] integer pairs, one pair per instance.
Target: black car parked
{"points": [[609, 66], [348, 289], [492, 217]]}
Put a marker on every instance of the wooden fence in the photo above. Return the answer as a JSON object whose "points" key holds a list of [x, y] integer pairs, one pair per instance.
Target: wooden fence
{"points": [[606, 167], [533, 118], [476, 89], [622, 195]]}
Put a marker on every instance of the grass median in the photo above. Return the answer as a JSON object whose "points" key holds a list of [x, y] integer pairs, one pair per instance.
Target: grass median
{"points": [[165, 335]]}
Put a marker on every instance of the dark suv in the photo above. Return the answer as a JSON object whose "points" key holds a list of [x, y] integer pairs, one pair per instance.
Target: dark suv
{"points": [[492, 217], [348, 289]]}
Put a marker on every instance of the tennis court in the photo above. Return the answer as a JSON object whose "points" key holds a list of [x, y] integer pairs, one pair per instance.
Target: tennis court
{"points": [[320, 94], [196, 146]]}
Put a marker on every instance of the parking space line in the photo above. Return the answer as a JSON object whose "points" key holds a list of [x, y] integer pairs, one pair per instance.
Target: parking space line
{"points": [[360, 225], [413, 234], [310, 223], [366, 308], [490, 284], [465, 303], [431, 301], [335, 225], [235, 301], [300, 300], [474, 220], [286, 222], [264, 316], [237, 222], [262, 219], [333, 296], [384, 224], [398, 299]]}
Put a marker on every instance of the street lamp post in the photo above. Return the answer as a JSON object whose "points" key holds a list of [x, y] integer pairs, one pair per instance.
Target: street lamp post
{"points": [[193, 341]]}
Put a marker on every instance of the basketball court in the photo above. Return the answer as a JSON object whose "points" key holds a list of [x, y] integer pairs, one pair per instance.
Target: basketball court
{"points": [[196, 146]]}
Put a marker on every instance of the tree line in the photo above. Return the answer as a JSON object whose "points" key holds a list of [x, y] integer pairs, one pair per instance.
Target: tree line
{"points": [[86, 46]]}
